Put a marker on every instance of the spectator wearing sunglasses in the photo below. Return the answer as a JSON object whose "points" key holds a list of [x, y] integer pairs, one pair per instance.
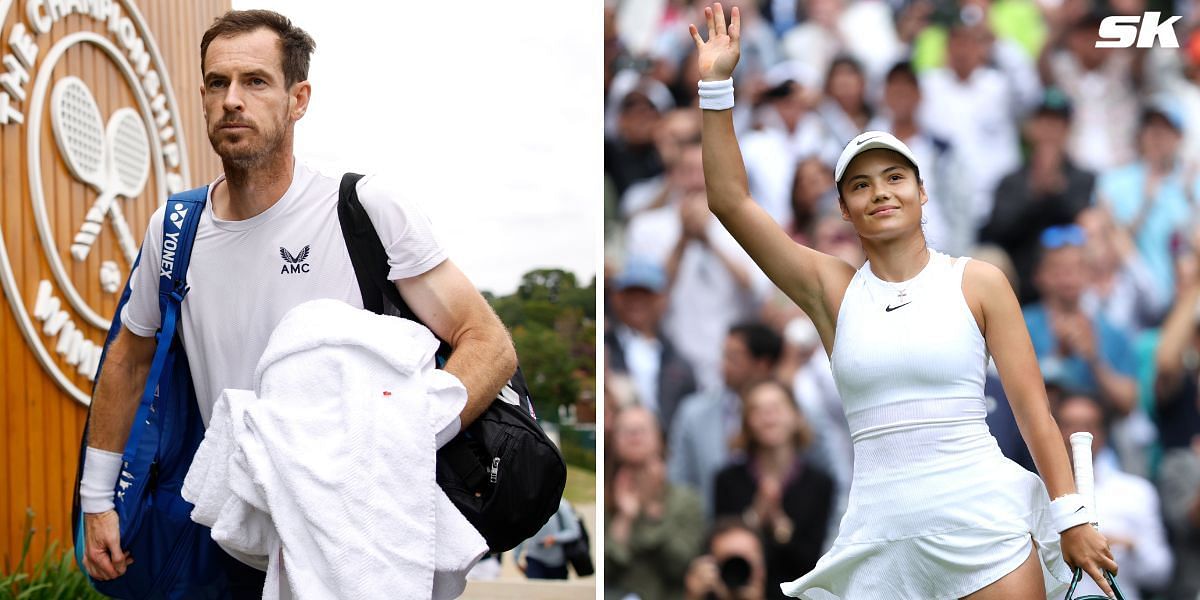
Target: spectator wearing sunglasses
{"points": [[1076, 350]]}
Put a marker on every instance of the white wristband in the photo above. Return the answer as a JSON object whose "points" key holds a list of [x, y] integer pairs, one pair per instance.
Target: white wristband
{"points": [[100, 471], [716, 95], [1068, 511]]}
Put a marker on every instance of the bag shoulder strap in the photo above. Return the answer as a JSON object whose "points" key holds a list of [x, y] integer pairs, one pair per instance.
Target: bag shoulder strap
{"points": [[369, 256], [366, 251], [370, 261], [180, 221]]}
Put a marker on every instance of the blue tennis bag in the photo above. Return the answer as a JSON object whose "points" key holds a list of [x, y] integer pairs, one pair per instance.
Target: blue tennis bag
{"points": [[174, 557]]}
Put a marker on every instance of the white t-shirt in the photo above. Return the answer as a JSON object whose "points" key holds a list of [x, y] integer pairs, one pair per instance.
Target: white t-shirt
{"points": [[245, 275], [978, 116]]}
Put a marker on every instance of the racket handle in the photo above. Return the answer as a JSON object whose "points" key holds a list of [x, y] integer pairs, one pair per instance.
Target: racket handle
{"points": [[124, 236], [1085, 481], [82, 246]]}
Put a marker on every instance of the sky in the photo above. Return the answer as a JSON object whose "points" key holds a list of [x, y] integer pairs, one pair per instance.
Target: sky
{"points": [[491, 113]]}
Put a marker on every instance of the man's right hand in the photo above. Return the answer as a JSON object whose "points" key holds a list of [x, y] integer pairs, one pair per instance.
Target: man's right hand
{"points": [[703, 579], [102, 555]]}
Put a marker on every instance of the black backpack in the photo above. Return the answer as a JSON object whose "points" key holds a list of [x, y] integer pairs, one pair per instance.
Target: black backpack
{"points": [[502, 472]]}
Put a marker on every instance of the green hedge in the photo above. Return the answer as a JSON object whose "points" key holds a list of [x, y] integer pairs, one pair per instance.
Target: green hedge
{"points": [[55, 576], [578, 447], [579, 457]]}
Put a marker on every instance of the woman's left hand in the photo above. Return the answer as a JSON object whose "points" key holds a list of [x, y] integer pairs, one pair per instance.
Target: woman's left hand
{"points": [[1086, 548]]}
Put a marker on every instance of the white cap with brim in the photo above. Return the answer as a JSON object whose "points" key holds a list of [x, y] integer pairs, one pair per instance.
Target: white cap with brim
{"points": [[870, 140]]}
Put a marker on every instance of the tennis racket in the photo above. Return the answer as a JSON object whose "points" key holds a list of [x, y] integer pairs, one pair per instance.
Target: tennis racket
{"points": [[1085, 484], [113, 160]]}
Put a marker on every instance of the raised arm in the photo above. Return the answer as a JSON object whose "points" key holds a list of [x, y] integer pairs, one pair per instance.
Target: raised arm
{"points": [[114, 404], [1177, 332], [483, 357], [815, 281], [998, 314]]}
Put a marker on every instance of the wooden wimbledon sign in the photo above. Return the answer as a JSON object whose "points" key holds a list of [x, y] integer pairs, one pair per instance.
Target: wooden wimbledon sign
{"points": [[84, 85]]}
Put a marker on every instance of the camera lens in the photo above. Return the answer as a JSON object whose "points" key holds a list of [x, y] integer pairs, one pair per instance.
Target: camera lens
{"points": [[735, 572]]}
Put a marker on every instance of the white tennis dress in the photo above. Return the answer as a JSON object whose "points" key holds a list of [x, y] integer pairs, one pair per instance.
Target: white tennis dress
{"points": [[935, 510]]}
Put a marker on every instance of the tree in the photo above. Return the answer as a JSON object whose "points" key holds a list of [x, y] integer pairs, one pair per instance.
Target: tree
{"points": [[552, 321], [549, 368]]}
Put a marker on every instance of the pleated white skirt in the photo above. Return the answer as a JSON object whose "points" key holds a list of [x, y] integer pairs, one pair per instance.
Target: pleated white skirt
{"points": [[935, 512]]}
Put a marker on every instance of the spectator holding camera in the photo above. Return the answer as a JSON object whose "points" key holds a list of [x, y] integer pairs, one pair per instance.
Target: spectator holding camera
{"points": [[774, 489], [733, 568]]}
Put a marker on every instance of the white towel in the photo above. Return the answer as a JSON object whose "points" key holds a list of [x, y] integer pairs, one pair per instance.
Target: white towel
{"points": [[241, 518], [331, 460]]}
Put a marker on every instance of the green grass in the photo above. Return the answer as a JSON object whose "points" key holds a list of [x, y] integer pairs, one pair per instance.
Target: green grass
{"points": [[54, 577], [581, 486]]}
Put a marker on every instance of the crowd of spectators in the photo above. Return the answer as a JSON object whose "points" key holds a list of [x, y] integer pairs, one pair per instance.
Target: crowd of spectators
{"points": [[1075, 169]]}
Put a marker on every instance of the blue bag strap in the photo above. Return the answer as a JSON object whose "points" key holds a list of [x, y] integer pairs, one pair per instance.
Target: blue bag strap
{"points": [[180, 221]]}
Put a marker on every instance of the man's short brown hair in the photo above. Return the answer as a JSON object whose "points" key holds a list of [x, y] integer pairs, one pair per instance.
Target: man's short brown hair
{"points": [[296, 46]]}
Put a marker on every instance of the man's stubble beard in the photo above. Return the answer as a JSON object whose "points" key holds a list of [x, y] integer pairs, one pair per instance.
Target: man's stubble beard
{"points": [[245, 160]]}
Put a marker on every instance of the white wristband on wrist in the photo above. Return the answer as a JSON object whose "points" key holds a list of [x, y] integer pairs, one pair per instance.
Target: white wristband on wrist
{"points": [[1068, 511], [716, 95], [101, 469]]}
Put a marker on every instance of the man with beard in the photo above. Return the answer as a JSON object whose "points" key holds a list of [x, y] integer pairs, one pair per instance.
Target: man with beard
{"points": [[265, 211]]}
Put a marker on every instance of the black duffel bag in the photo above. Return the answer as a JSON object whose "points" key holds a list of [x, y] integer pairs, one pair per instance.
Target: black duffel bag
{"points": [[502, 472]]}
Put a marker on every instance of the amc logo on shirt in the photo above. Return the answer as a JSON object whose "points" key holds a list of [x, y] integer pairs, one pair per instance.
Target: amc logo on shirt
{"points": [[293, 264]]}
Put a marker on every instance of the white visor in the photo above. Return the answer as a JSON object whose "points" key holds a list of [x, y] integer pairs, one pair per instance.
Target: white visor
{"points": [[870, 140]]}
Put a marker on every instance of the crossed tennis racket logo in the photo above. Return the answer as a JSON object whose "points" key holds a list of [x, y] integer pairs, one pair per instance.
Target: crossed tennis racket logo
{"points": [[112, 158]]}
